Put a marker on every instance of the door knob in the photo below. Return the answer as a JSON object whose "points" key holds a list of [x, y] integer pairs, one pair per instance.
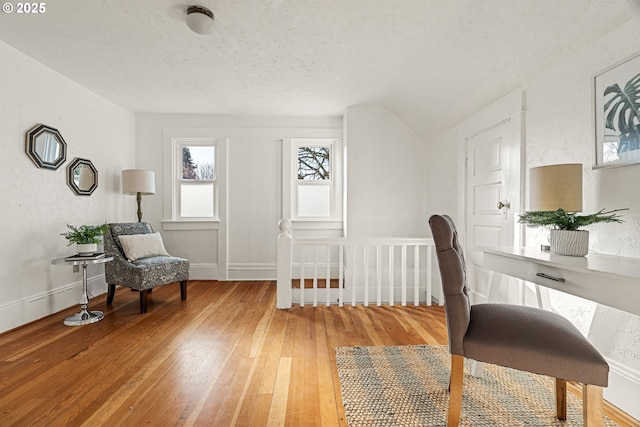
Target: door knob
{"points": [[504, 205]]}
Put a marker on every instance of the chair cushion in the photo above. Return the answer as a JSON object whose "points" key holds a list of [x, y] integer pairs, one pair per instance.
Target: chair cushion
{"points": [[137, 246], [123, 228], [533, 340]]}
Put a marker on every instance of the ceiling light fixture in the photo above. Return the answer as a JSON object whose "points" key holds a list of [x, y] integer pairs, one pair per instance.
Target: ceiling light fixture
{"points": [[200, 19]]}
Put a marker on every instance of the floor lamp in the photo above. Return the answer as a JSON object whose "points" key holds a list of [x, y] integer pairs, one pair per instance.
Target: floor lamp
{"points": [[139, 182]]}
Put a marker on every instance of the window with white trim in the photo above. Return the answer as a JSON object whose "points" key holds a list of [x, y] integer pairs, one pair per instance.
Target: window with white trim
{"points": [[195, 191], [314, 168]]}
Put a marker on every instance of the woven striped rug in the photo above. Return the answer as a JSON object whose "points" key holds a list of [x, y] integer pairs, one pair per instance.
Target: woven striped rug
{"points": [[407, 386]]}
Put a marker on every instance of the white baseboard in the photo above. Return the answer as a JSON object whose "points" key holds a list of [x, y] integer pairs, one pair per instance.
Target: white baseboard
{"points": [[247, 271], [203, 271], [34, 307], [624, 388]]}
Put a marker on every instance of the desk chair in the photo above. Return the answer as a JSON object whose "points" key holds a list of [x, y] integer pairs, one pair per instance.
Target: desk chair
{"points": [[523, 338]]}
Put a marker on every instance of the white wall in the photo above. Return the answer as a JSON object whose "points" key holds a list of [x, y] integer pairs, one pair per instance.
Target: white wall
{"points": [[558, 129], [242, 245], [385, 175], [37, 203], [384, 172]]}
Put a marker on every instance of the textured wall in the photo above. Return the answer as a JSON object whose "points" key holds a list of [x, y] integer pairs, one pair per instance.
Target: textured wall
{"points": [[559, 130], [37, 203]]}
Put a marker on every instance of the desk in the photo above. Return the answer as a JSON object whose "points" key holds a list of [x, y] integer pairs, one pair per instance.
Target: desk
{"points": [[605, 279], [84, 317]]}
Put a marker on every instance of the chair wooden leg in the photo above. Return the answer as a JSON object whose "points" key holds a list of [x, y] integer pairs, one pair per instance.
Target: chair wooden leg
{"points": [[455, 390], [561, 399], [592, 405], [143, 301], [111, 293], [183, 290]]}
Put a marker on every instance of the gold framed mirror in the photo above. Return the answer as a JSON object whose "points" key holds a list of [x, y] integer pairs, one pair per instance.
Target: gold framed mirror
{"points": [[46, 147], [82, 177]]}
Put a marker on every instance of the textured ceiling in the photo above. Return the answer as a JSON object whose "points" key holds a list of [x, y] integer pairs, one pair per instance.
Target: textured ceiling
{"points": [[430, 62]]}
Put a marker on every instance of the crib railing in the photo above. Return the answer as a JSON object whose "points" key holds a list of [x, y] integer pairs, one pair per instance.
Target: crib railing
{"points": [[329, 270]]}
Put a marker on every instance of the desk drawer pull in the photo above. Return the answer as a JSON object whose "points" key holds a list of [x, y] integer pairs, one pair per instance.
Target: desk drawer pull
{"points": [[546, 276]]}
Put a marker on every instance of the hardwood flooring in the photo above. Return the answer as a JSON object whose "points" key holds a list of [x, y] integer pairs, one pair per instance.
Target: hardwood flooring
{"points": [[224, 357]]}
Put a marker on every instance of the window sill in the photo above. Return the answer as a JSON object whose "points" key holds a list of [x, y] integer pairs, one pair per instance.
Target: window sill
{"points": [[190, 225]]}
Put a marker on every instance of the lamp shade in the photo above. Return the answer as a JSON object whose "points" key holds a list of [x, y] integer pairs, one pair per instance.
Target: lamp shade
{"points": [[136, 181], [556, 187]]}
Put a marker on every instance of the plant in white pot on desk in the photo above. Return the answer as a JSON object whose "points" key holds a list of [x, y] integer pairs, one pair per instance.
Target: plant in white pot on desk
{"points": [[85, 237], [566, 236]]}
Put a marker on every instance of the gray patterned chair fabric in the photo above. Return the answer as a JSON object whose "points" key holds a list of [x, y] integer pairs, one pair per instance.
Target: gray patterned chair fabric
{"points": [[523, 338], [144, 274]]}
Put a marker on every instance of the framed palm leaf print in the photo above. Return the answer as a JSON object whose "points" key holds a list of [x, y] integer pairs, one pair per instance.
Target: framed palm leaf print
{"points": [[617, 114]]}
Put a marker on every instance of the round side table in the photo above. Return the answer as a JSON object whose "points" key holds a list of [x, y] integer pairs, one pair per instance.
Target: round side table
{"points": [[85, 316]]}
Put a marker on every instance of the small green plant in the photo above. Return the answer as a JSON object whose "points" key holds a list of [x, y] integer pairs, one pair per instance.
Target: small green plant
{"points": [[563, 220], [84, 234]]}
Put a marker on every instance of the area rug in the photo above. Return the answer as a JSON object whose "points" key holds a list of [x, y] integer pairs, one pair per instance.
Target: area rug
{"points": [[407, 386]]}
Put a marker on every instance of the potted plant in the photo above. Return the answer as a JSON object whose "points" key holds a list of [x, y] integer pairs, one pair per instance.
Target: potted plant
{"points": [[86, 237], [566, 238]]}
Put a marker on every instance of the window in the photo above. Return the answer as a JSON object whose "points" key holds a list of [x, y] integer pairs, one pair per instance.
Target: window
{"points": [[313, 181], [315, 184], [195, 180]]}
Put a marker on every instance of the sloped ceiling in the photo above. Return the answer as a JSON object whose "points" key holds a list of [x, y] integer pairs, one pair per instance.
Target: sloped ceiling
{"points": [[430, 62]]}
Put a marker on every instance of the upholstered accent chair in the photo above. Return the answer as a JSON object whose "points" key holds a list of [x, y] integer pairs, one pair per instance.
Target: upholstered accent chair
{"points": [[144, 267], [523, 338]]}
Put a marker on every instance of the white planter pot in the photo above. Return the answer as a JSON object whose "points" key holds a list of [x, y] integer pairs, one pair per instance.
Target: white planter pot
{"points": [[570, 243], [86, 248]]}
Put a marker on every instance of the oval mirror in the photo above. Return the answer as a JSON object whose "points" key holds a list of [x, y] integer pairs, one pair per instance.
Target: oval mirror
{"points": [[82, 177], [46, 147]]}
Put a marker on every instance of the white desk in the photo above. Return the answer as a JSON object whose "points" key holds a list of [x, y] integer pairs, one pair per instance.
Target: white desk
{"points": [[605, 279]]}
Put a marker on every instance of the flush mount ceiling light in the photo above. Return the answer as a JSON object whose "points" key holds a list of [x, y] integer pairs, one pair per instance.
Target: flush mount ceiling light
{"points": [[200, 19]]}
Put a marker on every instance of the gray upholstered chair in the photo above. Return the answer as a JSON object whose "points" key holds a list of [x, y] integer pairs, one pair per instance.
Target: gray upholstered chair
{"points": [[523, 338], [141, 274]]}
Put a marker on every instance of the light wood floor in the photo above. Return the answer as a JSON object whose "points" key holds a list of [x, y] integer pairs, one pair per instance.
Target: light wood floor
{"points": [[224, 357]]}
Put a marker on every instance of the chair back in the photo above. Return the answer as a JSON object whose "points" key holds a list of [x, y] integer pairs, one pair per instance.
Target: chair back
{"points": [[454, 280], [112, 246]]}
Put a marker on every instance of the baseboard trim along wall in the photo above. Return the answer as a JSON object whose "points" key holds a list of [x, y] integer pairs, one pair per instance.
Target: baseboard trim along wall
{"points": [[624, 388], [203, 271], [256, 271], [20, 312]]}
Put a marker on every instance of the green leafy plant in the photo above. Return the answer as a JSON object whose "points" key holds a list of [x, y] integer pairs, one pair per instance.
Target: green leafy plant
{"points": [[623, 113], [85, 234], [564, 220]]}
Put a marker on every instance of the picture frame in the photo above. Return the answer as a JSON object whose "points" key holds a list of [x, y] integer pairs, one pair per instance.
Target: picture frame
{"points": [[616, 93]]}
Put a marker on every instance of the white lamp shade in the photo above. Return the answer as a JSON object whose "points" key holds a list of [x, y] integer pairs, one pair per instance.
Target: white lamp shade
{"points": [[556, 187], [136, 181]]}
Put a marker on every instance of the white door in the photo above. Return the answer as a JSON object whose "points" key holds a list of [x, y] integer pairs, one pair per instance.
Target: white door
{"points": [[492, 197]]}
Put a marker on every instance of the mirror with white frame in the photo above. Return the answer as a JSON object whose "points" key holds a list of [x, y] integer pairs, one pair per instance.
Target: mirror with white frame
{"points": [[46, 147]]}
